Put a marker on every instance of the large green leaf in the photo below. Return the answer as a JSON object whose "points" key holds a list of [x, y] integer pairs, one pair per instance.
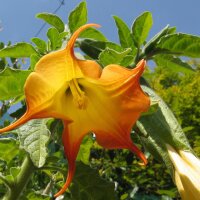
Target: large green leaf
{"points": [[33, 137], [141, 28], [8, 149], [53, 20], [161, 128], [124, 33], [110, 56], [18, 50], [173, 63], [89, 186], [78, 17], [12, 83], [180, 44]]}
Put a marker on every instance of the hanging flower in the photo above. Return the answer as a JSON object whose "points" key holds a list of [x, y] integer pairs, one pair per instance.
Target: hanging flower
{"points": [[87, 99], [187, 173]]}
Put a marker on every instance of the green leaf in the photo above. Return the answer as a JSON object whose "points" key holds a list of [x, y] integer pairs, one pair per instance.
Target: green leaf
{"points": [[8, 149], [124, 33], [141, 28], [84, 152], [180, 44], [53, 20], [14, 171], [33, 60], [84, 181], [18, 50], [110, 56], [33, 137], [35, 196], [161, 128], [92, 48], [54, 37], [78, 17], [41, 44], [12, 83], [173, 63], [150, 46], [93, 34]]}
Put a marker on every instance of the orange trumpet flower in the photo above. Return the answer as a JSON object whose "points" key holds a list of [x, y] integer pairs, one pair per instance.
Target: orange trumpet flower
{"points": [[87, 99]]}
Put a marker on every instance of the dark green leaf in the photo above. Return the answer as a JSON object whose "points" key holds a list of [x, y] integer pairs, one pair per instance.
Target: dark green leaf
{"points": [[18, 50], [92, 48], [150, 46], [53, 20], [109, 56], [124, 33], [141, 28], [180, 44], [41, 44], [12, 83], [54, 37], [33, 137], [88, 185], [78, 17], [161, 128], [173, 63], [93, 34]]}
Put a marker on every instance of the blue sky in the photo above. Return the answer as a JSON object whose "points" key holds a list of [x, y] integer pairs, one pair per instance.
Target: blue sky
{"points": [[19, 23]]}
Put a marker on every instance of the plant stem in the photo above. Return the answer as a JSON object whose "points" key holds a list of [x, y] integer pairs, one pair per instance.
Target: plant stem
{"points": [[21, 180]]}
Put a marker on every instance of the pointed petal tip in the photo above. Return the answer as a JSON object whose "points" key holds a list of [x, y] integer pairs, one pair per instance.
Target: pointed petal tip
{"points": [[141, 64], [139, 153], [75, 35], [68, 181], [16, 124]]}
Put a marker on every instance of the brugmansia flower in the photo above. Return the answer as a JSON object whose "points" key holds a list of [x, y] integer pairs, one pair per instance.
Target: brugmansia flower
{"points": [[87, 99], [187, 173]]}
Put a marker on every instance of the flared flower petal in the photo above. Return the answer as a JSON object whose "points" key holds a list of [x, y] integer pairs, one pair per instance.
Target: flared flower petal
{"points": [[87, 99], [187, 175]]}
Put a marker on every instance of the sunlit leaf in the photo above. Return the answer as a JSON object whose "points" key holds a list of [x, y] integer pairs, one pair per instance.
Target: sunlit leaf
{"points": [[93, 34], [54, 37], [33, 137], [78, 17], [41, 44], [141, 28], [109, 56], [8, 149], [18, 50], [124, 33], [173, 63], [180, 44], [33, 60], [84, 152], [12, 83], [53, 20]]}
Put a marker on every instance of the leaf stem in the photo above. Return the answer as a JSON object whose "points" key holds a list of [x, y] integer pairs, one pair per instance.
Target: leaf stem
{"points": [[21, 180]]}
